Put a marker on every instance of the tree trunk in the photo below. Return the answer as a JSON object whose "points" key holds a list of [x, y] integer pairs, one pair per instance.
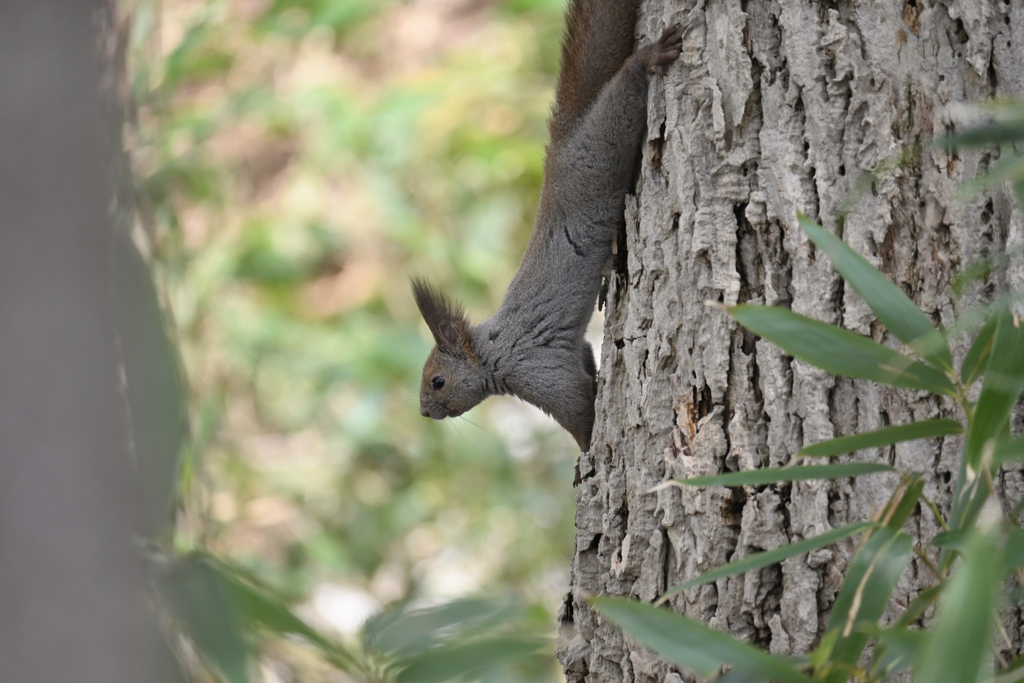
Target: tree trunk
{"points": [[73, 583], [777, 108]]}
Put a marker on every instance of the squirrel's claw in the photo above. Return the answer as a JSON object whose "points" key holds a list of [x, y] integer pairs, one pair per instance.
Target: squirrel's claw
{"points": [[666, 50]]}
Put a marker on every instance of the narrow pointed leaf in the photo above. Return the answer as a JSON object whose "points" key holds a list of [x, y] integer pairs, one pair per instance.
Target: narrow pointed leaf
{"points": [[153, 387], [821, 655], [199, 598], [407, 632], [839, 351], [977, 356], [773, 556], [898, 649], [914, 486], [771, 475], [451, 662], [920, 605], [968, 500], [692, 644], [993, 133], [1004, 380], [664, 632], [953, 540], [893, 308], [257, 606], [958, 649], [884, 437], [870, 580]]}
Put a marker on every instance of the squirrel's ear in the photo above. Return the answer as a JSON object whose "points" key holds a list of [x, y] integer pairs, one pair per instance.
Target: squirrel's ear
{"points": [[445, 318]]}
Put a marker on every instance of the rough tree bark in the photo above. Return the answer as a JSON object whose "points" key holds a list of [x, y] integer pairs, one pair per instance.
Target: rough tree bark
{"points": [[775, 108]]}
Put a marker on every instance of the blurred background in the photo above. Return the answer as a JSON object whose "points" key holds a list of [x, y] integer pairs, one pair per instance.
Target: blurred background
{"points": [[296, 161]]}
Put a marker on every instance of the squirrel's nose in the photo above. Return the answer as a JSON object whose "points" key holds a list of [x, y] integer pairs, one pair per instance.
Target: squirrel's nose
{"points": [[423, 411]]}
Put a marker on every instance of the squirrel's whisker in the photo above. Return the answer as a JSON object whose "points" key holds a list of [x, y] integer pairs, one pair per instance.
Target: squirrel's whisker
{"points": [[463, 417]]}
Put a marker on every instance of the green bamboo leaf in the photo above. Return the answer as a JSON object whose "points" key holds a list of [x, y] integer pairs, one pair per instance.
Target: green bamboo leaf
{"points": [[450, 662], [994, 133], [971, 494], [258, 607], [914, 486], [821, 655], [893, 308], [958, 649], [898, 649], [920, 605], [977, 356], [767, 557], [197, 595], [953, 540], [1004, 380], [267, 612], [772, 475], [839, 351], [883, 437], [153, 384], [404, 633], [691, 644], [873, 573]]}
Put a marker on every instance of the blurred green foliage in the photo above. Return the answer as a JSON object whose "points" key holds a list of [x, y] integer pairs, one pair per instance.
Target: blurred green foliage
{"points": [[296, 161], [225, 610]]}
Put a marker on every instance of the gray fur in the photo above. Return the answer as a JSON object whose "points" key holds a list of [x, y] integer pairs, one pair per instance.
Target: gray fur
{"points": [[533, 347]]}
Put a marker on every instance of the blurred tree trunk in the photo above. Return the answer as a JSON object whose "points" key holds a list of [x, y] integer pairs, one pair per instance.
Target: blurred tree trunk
{"points": [[775, 108], [73, 587]]}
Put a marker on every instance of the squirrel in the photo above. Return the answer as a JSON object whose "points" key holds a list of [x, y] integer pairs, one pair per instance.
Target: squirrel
{"points": [[534, 346]]}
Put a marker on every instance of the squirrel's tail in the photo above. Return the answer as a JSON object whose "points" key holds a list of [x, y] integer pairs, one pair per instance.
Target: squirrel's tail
{"points": [[598, 40]]}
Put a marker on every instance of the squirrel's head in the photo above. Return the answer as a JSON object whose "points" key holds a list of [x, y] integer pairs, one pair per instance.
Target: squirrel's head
{"points": [[453, 377]]}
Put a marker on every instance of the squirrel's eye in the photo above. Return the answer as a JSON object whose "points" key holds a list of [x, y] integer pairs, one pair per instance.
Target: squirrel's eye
{"points": [[437, 382]]}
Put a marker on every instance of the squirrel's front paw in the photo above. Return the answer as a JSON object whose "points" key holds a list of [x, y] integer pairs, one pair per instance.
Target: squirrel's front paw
{"points": [[666, 50]]}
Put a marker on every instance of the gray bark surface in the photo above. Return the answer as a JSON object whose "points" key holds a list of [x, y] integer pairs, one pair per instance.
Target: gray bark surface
{"points": [[74, 589], [775, 108]]}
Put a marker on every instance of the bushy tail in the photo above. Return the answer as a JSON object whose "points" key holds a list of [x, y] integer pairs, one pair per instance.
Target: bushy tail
{"points": [[598, 40]]}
